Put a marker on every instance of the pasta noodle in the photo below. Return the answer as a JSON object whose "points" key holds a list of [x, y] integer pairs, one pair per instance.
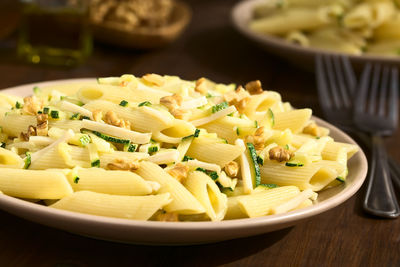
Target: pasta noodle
{"points": [[164, 149], [347, 26]]}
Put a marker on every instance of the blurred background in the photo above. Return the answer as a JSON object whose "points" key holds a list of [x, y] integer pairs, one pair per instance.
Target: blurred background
{"points": [[47, 40]]}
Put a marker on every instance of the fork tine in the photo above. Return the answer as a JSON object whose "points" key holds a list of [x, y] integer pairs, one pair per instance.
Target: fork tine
{"points": [[322, 86], [374, 89], [350, 76], [383, 91], [393, 96], [332, 81], [363, 89], [343, 87]]}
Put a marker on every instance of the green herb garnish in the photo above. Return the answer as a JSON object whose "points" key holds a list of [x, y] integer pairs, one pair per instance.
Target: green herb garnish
{"points": [[219, 107], [187, 158], [76, 179], [145, 103], [123, 103], [54, 114], [95, 163]]}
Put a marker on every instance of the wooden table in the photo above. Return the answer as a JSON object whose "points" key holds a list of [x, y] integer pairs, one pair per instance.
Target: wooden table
{"points": [[343, 236]]}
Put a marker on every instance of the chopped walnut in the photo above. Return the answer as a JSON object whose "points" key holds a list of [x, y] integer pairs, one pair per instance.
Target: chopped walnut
{"points": [[97, 115], [30, 132], [259, 131], [179, 172], [168, 217], [312, 129], [171, 102], [181, 114], [32, 105], [257, 141], [239, 98], [112, 119], [254, 87], [123, 165], [42, 124], [232, 168], [280, 154], [201, 86], [155, 79]]}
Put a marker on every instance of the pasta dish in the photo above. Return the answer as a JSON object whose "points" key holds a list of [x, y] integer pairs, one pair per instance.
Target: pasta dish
{"points": [[165, 149], [350, 26]]}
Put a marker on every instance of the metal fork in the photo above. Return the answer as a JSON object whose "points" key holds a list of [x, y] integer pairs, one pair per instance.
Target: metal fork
{"points": [[376, 112], [336, 83]]}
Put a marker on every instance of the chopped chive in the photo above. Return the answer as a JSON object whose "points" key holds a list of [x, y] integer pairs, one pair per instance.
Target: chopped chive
{"points": [[187, 158], [18, 105], [260, 160], [230, 114], [237, 131], [271, 114], [212, 174], [46, 110], [27, 160], [256, 124], [75, 116], [40, 112], [123, 103], [209, 95], [340, 179], [2, 145], [95, 163], [152, 149], [84, 118], [84, 140], [107, 137], [201, 169], [55, 114], [287, 147], [130, 147], [76, 179], [196, 133], [289, 164], [219, 107], [145, 103]]}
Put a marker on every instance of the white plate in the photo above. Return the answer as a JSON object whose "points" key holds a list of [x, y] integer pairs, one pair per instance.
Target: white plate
{"points": [[144, 232], [303, 57]]}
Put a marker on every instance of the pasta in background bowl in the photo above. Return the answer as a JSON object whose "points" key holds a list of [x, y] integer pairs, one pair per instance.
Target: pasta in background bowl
{"points": [[119, 201], [298, 29]]}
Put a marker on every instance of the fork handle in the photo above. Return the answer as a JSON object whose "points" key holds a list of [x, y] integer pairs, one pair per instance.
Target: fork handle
{"points": [[380, 199]]}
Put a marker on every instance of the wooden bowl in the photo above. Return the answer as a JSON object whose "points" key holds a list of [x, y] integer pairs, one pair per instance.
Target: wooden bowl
{"points": [[143, 37]]}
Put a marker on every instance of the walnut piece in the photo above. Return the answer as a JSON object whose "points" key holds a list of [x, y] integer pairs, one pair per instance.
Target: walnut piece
{"points": [[280, 154], [312, 129], [32, 105], [155, 79], [112, 119], [179, 172], [181, 114], [123, 165], [42, 124], [254, 87], [171, 102], [168, 217], [258, 139], [97, 115], [30, 132], [239, 98], [201, 86], [232, 168]]}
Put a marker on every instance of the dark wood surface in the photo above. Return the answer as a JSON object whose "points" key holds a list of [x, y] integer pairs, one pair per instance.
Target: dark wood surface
{"points": [[210, 47]]}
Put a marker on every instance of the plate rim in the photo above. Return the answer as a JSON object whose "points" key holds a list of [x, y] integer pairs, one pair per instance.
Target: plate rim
{"points": [[16, 205]]}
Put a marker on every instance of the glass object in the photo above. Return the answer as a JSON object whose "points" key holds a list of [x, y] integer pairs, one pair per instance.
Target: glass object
{"points": [[54, 32]]}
